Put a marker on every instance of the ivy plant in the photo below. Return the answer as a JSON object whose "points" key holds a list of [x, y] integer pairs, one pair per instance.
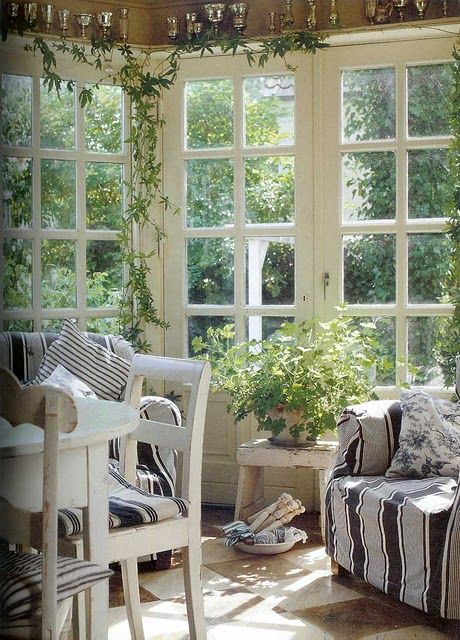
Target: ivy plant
{"points": [[144, 84]]}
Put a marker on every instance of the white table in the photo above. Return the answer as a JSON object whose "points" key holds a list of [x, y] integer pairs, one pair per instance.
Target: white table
{"points": [[255, 455], [83, 479]]}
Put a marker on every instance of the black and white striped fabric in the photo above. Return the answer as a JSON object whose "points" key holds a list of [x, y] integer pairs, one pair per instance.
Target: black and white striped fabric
{"points": [[23, 352], [128, 506], [400, 535], [21, 583], [103, 371]]}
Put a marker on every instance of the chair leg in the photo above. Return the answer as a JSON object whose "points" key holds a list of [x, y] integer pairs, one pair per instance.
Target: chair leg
{"points": [[193, 590], [132, 598]]}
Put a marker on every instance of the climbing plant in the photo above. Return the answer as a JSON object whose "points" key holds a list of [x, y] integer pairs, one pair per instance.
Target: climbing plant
{"points": [[448, 336], [144, 83]]}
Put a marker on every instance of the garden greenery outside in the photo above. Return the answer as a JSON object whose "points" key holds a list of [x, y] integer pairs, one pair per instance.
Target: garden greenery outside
{"points": [[434, 190]]}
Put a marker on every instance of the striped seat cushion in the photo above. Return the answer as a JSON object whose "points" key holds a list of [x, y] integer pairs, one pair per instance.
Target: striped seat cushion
{"points": [[21, 582], [103, 371], [128, 506]]}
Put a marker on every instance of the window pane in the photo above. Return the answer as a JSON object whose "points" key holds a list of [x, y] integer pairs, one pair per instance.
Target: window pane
{"points": [[428, 263], [269, 110], [16, 110], [16, 176], [368, 105], [57, 119], [384, 335], [369, 186], [104, 195], [104, 273], [103, 325], [103, 120], [428, 90], [209, 193], [58, 180], [198, 326], [369, 268], [18, 325], [428, 177], [269, 189], [421, 332], [17, 286], [270, 271], [209, 114], [53, 325], [58, 274], [210, 266], [262, 327]]}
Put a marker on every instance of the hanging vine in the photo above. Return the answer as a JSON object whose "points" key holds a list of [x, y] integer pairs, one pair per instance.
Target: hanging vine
{"points": [[144, 85]]}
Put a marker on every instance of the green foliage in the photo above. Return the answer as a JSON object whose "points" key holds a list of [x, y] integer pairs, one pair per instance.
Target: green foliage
{"points": [[313, 369]]}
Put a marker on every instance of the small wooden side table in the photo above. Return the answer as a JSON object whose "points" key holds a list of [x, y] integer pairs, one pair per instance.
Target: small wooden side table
{"points": [[253, 456]]}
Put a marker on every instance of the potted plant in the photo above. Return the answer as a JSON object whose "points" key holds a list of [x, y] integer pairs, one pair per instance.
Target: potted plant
{"points": [[297, 381]]}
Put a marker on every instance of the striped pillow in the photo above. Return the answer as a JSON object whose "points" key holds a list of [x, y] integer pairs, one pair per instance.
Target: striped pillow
{"points": [[21, 582], [104, 372]]}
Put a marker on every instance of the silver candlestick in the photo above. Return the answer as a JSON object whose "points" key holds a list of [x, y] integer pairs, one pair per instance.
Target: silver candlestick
{"points": [[190, 20], [30, 14], [240, 13], [421, 6], [64, 21], [214, 13], [13, 14], [445, 8], [400, 6], [173, 23], [123, 24], [288, 16], [312, 21], [47, 16], [104, 20], [83, 21]]}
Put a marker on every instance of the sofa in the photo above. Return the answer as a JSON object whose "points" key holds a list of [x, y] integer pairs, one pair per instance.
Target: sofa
{"points": [[393, 500], [23, 353]]}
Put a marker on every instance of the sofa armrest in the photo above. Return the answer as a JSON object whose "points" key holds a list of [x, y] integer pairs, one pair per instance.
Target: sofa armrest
{"points": [[368, 437]]}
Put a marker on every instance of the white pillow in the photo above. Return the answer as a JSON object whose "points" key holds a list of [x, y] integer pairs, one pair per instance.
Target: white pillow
{"points": [[103, 371], [65, 380], [429, 442]]}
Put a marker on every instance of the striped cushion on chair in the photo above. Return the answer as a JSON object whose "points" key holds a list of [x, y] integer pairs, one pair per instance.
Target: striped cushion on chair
{"points": [[21, 582], [103, 371], [128, 506]]}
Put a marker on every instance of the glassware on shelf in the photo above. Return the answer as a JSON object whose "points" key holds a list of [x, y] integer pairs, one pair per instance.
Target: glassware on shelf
{"points": [[190, 21], [272, 22], [123, 24], [30, 14], [333, 14], [104, 20], [173, 23], [13, 14], [421, 6], [288, 16], [370, 9], [400, 6], [312, 22], [64, 21], [83, 21], [239, 13], [214, 13], [47, 11], [445, 8]]}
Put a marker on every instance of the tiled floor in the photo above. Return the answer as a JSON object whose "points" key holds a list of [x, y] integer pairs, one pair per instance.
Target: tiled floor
{"points": [[291, 596]]}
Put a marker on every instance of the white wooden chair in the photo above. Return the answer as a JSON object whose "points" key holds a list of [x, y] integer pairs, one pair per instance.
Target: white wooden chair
{"points": [[36, 591], [163, 532]]}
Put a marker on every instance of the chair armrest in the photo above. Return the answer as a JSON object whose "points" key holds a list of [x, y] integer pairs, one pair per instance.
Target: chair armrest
{"points": [[368, 437]]}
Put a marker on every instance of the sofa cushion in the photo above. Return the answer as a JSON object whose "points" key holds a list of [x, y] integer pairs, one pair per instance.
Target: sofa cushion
{"points": [[429, 442], [21, 581], [104, 372], [128, 506]]}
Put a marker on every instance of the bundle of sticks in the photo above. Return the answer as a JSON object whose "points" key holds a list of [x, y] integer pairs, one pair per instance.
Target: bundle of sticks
{"points": [[275, 515]]}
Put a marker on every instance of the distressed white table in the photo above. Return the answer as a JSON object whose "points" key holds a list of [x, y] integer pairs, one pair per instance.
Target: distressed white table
{"points": [[255, 455], [82, 479]]}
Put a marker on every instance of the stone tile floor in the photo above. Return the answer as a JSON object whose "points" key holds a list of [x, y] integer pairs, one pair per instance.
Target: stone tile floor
{"points": [[291, 596]]}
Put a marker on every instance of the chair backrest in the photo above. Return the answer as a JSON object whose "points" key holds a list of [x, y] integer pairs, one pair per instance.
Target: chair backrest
{"points": [[53, 410], [187, 438]]}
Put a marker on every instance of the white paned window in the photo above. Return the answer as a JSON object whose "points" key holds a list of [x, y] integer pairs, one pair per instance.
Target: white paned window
{"points": [[62, 201], [237, 150]]}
